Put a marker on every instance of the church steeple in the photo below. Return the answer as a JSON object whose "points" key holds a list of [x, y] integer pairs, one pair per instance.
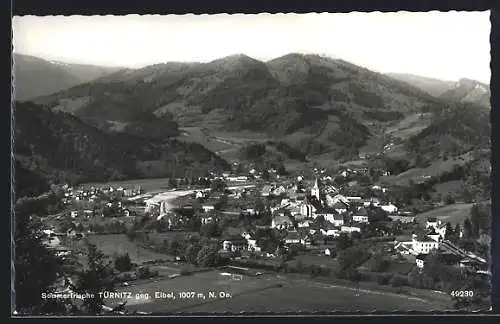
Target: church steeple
{"points": [[315, 190]]}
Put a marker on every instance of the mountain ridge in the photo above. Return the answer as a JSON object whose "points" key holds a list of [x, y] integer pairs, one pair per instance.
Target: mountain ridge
{"points": [[309, 107], [34, 76]]}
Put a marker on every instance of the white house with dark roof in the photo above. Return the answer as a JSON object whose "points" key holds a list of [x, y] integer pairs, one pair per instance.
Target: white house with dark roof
{"points": [[423, 244], [438, 226], [350, 229], [389, 208], [281, 222], [340, 207], [402, 218], [361, 216], [292, 237]]}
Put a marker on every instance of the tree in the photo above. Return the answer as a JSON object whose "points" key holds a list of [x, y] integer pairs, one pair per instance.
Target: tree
{"points": [[36, 267], [191, 253], [380, 264], [95, 279], [456, 233], [449, 200], [123, 262], [210, 230], [468, 230], [208, 256], [377, 214], [172, 183], [352, 257], [218, 186], [343, 242], [475, 219], [450, 233]]}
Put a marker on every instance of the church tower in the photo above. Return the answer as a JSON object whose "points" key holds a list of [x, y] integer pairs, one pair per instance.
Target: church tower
{"points": [[315, 190]]}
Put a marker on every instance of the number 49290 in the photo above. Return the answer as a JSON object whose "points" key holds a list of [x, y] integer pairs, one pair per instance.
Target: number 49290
{"points": [[462, 293]]}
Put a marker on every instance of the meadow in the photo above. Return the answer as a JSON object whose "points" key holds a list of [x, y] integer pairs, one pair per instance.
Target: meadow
{"points": [[455, 214], [270, 293]]}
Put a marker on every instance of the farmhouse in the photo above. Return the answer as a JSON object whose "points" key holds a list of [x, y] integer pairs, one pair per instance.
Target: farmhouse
{"points": [[281, 222], [331, 216], [292, 238], [437, 226], [208, 219], [208, 207], [389, 208], [402, 218], [361, 216], [266, 190], [350, 229], [340, 207], [423, 244]]}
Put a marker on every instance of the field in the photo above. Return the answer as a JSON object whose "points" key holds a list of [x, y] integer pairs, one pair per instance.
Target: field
{"points": [[409, 126], [195, 134], [119, 243], [418, 174], [269, 293], [318, 260], [455, 214]]}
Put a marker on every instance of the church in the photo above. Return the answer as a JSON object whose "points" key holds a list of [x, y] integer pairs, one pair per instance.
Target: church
{"points": [[318, 204]]}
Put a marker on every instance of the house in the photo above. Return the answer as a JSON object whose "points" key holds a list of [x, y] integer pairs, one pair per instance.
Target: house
{"points": [[354, 199], [420, 260], [328, 252], [332, 232], [371, 202], [208, 207], [200, 195], [281, 222], [226, 245], [402, 218], [331, 216], [52, 241], [437, 226], [335, 199], [292, 238], [266, 190], [305, 223], [340, 207], [252, 245], [361, 216], [434, 235], [350, 229], [404, 248], [74, 214], [306, 241], [279, 191], [208, 219], [389, 208], [423, 244]]}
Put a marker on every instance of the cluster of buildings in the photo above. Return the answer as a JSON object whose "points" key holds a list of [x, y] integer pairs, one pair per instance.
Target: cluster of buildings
{"points": [[93, 194], [341, 213]]}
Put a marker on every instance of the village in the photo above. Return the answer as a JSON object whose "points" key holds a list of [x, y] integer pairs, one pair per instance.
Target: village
{"points": [[321, 224]]}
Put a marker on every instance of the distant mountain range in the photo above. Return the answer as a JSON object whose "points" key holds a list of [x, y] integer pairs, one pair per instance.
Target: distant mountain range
{"points": [[465, 90], [36, 77], [131, 123]]}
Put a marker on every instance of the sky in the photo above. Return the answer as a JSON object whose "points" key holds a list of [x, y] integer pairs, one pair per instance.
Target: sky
{"points": [[442, 45]]}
